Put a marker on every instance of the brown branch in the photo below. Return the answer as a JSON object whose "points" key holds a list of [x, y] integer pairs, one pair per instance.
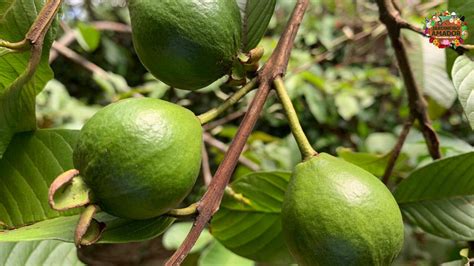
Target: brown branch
{"points": [[275, 66], [417, 103], [429, 5], [404, 24], [224, 148], [397, 150]]}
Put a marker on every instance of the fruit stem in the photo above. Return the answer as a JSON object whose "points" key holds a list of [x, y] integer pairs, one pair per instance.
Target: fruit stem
{"points": [[236, 97], [184, 212], [305, 147]]}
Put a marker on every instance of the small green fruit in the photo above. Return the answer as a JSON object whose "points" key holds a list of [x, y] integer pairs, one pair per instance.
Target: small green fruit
{"points": [[140, 157], [336, 213], [188, 44]]}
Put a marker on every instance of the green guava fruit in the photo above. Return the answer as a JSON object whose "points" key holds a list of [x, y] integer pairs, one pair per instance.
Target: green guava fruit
{"points": [[139, 157], [187, 44], [336, 213]]}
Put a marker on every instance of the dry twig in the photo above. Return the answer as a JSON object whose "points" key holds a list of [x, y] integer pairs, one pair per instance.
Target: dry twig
{"points": [[390, 16], [276, 66]]}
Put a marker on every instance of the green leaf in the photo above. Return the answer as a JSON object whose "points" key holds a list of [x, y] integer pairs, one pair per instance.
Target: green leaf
{"points": [[175, 235], [463, 79], [87, 36], [219, 255], [38, 253], [466, 9], [249, 223], [31, 162], [373, 163], [256, 15], [439, 197], [29, 165], [17, 96], [428, 64]]}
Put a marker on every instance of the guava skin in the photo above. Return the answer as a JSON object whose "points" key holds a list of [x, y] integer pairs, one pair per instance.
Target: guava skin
{"points": [[140, 157], [336, 213], [187, 44]]}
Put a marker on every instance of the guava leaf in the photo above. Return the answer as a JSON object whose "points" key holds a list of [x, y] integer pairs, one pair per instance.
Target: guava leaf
{"points": [[439, 197], [428, 64], [17, 97], [249, 223], [46, 252], [117, 230], [217, 254], [176, 234], [30, 164], [466, 9], [463, 79], [256, 15], [87, 36]]}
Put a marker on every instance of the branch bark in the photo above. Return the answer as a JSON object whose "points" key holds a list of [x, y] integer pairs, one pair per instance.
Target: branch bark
{"points": [[276, 66], [417, 103]]}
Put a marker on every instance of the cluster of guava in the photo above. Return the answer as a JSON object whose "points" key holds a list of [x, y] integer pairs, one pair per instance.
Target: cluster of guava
{"points": [[141, 157]]}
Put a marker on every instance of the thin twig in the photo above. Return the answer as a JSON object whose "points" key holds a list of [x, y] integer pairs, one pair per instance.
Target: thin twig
{"points": [[221, 146], [397, 150], [78, 59], [70, 35], [43, 21], [226, 119], [112, 26], [334, 46], [417, 103], [206, 168], [211, 200]]}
